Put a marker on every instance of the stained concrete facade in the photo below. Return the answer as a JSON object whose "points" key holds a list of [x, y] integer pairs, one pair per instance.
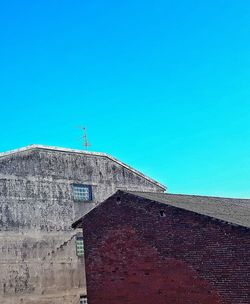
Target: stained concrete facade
{"points": [[38, 257]]}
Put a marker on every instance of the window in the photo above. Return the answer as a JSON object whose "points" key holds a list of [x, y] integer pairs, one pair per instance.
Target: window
{"points": [[82, 192], [79, 246], [83, 300]]}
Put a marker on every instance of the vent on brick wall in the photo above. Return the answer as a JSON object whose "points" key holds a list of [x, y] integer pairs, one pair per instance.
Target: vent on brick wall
{"points": [[162, 213]]}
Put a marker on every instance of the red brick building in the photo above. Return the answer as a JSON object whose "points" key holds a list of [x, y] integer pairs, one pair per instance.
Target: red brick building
{"points": [[157, 248]]}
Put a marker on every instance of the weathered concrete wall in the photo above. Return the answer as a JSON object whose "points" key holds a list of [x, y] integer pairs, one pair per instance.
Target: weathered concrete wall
{"points": [[37, 245], [38, 264]]}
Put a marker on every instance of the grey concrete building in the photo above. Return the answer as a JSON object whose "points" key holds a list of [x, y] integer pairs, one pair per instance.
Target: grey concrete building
{"points": [[42, 191]]}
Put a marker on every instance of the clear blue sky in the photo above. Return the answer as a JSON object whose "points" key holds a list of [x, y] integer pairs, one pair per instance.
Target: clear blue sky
{"points": [[162, 85]]}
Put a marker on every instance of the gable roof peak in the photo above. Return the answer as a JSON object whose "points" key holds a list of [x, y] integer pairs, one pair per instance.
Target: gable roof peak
{"points": [[82, 152]]}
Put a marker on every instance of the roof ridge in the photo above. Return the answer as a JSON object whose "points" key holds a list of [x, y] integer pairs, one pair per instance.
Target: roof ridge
{"points": [[55, 148]]}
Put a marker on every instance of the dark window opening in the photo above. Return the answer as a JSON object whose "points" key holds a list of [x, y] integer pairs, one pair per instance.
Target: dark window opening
{"points": [[118, 200]]}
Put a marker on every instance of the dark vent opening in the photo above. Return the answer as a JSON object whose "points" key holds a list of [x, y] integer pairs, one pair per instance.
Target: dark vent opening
{"points": [[162, 213]]}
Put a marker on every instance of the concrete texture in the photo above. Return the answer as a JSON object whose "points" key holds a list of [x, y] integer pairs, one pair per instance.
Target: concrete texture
{"points": [[38, 258]]}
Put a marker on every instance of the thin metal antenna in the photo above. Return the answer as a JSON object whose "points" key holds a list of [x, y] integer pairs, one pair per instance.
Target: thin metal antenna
{"points": [[86, 144]]}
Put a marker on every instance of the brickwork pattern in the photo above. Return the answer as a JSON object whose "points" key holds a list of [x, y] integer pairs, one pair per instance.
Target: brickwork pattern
{"points": [[136, 255]]}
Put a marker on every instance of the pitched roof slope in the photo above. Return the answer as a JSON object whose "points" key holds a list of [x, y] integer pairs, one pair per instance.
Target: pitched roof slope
{"points": [[75, 151], [231, 210]]}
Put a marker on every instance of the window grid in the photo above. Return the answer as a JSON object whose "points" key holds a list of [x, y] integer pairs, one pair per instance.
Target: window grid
{"points": [[79, 247], [82, 192]]}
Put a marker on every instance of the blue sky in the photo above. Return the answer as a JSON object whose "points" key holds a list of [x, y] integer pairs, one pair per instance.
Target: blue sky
{"points": [[161, 85]]}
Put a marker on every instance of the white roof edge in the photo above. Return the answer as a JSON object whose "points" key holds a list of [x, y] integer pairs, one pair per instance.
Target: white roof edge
{"points": [[52, 148]]}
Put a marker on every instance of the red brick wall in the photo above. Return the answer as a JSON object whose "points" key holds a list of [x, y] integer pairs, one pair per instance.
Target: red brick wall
{"points": [[133, 256]]}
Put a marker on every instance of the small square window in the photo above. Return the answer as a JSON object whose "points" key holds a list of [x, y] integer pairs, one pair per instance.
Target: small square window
{"points": [[82, 192], [79, 246], [83, 300]]}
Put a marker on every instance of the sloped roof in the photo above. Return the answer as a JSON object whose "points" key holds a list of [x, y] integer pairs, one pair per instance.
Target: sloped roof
{"points": [[81, 152], [232, 210]]}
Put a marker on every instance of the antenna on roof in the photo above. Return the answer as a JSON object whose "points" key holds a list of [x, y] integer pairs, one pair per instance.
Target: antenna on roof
{"points": [[86, 144]]}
